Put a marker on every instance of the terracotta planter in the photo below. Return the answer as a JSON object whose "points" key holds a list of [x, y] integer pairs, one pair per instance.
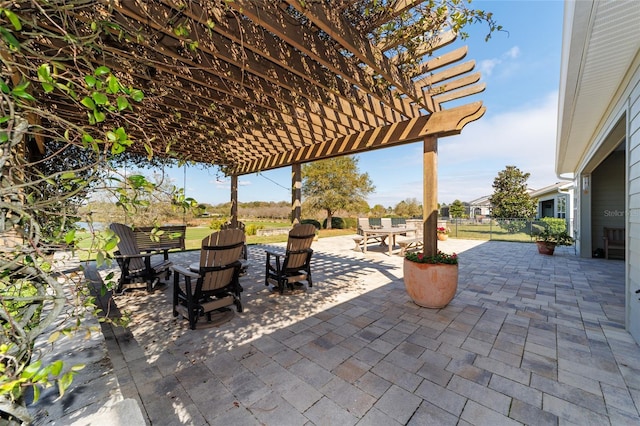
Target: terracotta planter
{"points": [[430, 285], [545, 248], [443, 237]]}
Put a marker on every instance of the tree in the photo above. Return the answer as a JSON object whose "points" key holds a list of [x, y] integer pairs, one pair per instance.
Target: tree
{"points": [[335, 184], [408, 208], [456, 209], [378, 210], [510, 199]]}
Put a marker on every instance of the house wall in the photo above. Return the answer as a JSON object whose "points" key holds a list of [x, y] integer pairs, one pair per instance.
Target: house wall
{"points": [[633, 203], [608, 197]]}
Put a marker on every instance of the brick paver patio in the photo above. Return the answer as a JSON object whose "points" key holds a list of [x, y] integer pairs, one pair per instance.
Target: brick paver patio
{"points": [[528, 339]]}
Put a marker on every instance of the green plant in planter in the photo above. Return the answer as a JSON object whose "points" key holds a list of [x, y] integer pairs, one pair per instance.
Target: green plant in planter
{"points": [[439, 257], [555, 238]]}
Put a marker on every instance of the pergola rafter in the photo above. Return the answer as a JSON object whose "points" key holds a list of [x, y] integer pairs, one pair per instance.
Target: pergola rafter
{"points": [[250, 85]]}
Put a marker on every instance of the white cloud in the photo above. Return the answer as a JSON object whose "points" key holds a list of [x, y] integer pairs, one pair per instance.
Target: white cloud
{"points": [[469, 162], [487, 65], [513, 53]]}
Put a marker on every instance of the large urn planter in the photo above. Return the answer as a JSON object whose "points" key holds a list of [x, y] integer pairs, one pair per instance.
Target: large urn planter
{"points": [[546, 247], [431, 285]]}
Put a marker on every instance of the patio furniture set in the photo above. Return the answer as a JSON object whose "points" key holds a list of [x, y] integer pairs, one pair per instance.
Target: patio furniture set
{"points": [[212, 284], [386, 235]]}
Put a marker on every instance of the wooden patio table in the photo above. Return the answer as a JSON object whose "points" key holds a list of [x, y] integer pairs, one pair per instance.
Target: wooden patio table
{"points": [[386, 234]]}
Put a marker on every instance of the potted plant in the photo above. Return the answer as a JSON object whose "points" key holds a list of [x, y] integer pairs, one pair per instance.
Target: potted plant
{"points": [[443, 233], [431, 281], [547, 241]]}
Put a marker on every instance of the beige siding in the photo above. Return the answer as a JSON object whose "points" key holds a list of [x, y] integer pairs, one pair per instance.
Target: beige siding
{"points": [[633, 219], [608, 201]]}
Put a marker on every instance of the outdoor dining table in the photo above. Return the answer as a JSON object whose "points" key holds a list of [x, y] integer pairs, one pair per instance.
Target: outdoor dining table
{"points": [[386, 234]]}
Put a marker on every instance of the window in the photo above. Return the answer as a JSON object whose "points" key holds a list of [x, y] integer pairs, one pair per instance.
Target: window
{"points": [[562, 207]]}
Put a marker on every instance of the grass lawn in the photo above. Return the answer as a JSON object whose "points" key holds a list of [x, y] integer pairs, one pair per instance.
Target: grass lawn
{"points": [[487, 232], [195, 235]]}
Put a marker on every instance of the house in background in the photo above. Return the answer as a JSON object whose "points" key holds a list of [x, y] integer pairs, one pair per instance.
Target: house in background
{"points": [[556, 201], [598, 142], [480, 207]]}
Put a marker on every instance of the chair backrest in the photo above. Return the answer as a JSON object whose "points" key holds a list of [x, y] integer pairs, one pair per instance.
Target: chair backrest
{"points": [[298, 245], [218, 254], [386, 222], [127, 245], [230, 225], [363, 223]]}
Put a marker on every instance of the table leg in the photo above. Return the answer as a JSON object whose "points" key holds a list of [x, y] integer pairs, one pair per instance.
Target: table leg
{"points": [[364, 248]]}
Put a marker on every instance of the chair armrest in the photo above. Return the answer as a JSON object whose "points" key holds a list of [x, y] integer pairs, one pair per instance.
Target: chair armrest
{"points": [[184, 271], [276, 254], [134, 256]]}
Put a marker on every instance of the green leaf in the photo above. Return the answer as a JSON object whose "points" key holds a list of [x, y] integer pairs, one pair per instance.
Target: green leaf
{"points": [[9, 38], [20, 93], [114, 85], [122, 102], [36, 394], [88, 102], [56, 368], [99, 98], [4, 137], [100, 71], [137, 95], [111, 243], [99, 116], [44, 73], [5, 88], [68, 175], [54, 336], [13, 18], [31, 369], [70, 236], [117, 148], [90, 80], [48, 88]]}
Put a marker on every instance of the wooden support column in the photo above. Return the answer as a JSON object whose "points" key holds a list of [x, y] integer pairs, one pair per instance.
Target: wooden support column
{"points": [[234, 201], [296, 193], [430, 196]]}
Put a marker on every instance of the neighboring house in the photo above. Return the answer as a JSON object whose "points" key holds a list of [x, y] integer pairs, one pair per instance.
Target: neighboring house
{"points": [[555, 201], [480, 207], [598, 143]]}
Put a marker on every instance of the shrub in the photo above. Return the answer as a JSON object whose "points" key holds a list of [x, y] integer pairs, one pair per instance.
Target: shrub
{"points": [[336, 223], [554, 225], [350, 222], [252, 229], [311, 221], [216, 224]]}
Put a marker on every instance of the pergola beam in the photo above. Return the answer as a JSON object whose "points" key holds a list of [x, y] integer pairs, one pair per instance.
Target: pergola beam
{"points": [[443, 123]]}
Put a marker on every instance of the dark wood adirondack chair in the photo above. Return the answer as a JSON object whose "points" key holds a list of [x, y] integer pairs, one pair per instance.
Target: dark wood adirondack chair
{"points": [[244, 257], [284, 269], [136, 266], [215, 285]]}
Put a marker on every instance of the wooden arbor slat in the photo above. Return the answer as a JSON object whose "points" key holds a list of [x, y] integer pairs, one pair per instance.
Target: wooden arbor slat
{"points": [[253, 85]]}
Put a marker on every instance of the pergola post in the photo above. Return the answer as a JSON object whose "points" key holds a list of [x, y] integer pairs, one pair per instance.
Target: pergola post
{"points": [[296, 193], [234, 200], [430, 196]]}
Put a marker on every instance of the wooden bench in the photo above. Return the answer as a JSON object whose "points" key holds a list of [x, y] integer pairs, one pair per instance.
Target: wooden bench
{"points": [[410, 243], [359, 240], [613, 240], [165, 238]]}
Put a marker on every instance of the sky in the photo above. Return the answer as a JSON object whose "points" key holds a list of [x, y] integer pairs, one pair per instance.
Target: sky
{"points": [[521, 69]]}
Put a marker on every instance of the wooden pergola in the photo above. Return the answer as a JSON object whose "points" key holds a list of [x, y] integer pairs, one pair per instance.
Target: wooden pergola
{"points": [[252, 85]]}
